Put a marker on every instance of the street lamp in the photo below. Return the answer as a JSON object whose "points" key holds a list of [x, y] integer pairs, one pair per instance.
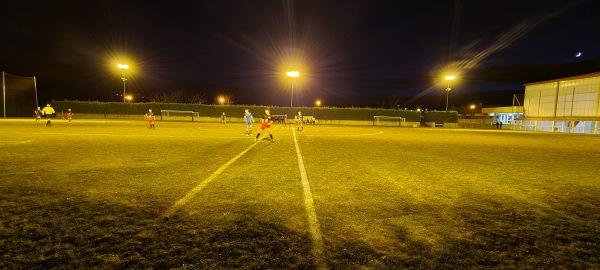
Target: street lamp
{"points": [[318, 103], [123, 67], [293, 74], [448, 79]]}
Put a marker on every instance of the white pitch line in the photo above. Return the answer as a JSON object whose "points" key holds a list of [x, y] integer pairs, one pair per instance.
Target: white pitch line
{"points": [[346, 135], [313, 222], [192, 193]]}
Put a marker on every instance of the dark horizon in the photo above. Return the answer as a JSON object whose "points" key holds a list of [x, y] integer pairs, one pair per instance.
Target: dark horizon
{"points": [[350, 53]]}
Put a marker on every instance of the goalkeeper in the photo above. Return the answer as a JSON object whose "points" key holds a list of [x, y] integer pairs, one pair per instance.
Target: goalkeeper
{"points": [[266, 124], [48, 111]]}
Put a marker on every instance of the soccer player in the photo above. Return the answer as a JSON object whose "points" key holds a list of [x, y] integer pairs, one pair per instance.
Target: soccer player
{"points": [[37, 114], [69, 115], [249, 120], [150, 117], [48, 111], [300, 119], [266, 124]]}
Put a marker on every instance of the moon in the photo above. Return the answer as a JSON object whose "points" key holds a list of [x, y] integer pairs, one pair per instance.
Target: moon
{"points": [[578, 54]]}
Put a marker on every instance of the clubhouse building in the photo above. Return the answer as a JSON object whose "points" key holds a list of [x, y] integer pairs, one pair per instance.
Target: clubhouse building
{"points": [[570, 105]]}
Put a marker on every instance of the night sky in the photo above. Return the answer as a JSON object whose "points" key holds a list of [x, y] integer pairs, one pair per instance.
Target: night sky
{"points": [[349, 53]]}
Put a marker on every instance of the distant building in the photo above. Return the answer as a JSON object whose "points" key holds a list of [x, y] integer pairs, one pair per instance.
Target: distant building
{"points": [[569, 104], [505, 114]]}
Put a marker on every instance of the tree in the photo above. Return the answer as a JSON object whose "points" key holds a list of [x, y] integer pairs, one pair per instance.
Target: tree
{"points": [[198, 98], [167, 97], [226, 99]]}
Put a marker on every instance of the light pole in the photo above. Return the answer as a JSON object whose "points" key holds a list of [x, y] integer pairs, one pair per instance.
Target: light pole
{"points": [[293, 74], [123, 67], [318, 103], [471, 118], [448, 79]]}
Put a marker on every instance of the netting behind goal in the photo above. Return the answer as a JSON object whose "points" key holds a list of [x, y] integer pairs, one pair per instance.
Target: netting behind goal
{"points": [[279, 118], [173, 115], [388, 121], [19, 96]]}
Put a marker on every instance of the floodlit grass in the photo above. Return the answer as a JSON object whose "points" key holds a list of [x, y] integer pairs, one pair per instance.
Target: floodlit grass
{"points": [[93, 194]]}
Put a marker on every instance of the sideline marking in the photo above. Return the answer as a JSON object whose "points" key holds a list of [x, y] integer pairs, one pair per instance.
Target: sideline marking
{"points": [[347, 135], [313, 222], [202, 184], [5, 143]]}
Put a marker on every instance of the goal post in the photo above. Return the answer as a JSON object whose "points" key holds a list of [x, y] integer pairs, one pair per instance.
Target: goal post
{"points": [[175, 115], [380, 120], [279, 118]]}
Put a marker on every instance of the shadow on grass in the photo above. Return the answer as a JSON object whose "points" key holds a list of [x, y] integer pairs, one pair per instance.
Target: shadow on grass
{"points": [[493, 236], [61, 233], [43, 231]]}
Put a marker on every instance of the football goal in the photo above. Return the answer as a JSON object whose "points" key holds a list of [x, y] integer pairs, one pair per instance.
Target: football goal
{"points": [[19, 95], [395, 121], [174, 115], [279, 118]]}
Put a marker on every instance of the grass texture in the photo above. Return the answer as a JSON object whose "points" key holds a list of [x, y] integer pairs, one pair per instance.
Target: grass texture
{"points": [[93, 194]]}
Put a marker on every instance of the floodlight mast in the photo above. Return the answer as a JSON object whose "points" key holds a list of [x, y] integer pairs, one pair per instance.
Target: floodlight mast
{"points": [[123, 67], [448, 79], [293, 74]]}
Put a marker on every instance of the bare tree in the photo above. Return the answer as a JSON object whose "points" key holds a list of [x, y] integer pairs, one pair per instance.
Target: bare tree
{"points": [[167, 97], [198, 98], [226, 99]]}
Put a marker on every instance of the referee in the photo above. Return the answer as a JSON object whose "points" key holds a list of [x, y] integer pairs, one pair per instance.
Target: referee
{"points": [[48, 111]]}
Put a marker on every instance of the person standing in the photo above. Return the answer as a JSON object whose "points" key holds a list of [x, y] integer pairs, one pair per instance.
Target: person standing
{"points": [[249, 120], [223, 118], [48, 111], [69, 115], [150, 117], [266, 124], [37, 114], [300, 120]]}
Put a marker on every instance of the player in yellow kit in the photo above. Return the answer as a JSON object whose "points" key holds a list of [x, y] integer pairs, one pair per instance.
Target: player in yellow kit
{"points": [[49, 112]]}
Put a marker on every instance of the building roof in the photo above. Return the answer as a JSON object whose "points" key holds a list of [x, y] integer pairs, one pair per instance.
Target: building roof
{"points": [[595, 74]]}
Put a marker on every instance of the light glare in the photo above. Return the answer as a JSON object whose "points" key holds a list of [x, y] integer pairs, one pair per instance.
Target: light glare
{"points": [[293, 74]]}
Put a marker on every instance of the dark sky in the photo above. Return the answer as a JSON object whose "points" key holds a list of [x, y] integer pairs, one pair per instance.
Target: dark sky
{"points": [[349, 53]]}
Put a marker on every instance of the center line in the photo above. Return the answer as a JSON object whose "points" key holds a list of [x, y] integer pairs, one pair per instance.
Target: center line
{"points": [[313, 222]]}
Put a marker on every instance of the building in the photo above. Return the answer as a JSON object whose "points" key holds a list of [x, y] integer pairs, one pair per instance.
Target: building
{"points": [[569, 105], [505, 114]]}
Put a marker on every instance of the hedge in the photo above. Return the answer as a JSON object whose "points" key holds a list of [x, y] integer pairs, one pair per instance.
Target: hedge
{"points": [[324, 113]]}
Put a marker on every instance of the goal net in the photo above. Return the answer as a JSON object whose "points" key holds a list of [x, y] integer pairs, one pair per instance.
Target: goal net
{"points": [[19, 96], [279, 118], [388, 121], [173, 115]]}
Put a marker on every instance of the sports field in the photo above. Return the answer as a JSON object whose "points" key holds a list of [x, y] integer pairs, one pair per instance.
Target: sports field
{"points": [[115, 194]]}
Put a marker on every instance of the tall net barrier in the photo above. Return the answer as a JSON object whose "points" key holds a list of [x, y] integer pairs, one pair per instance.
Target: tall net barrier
{"points": [[19, 96]]}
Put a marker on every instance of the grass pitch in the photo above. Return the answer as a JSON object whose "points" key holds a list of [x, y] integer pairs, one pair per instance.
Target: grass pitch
{"points": [[94, 194]]}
